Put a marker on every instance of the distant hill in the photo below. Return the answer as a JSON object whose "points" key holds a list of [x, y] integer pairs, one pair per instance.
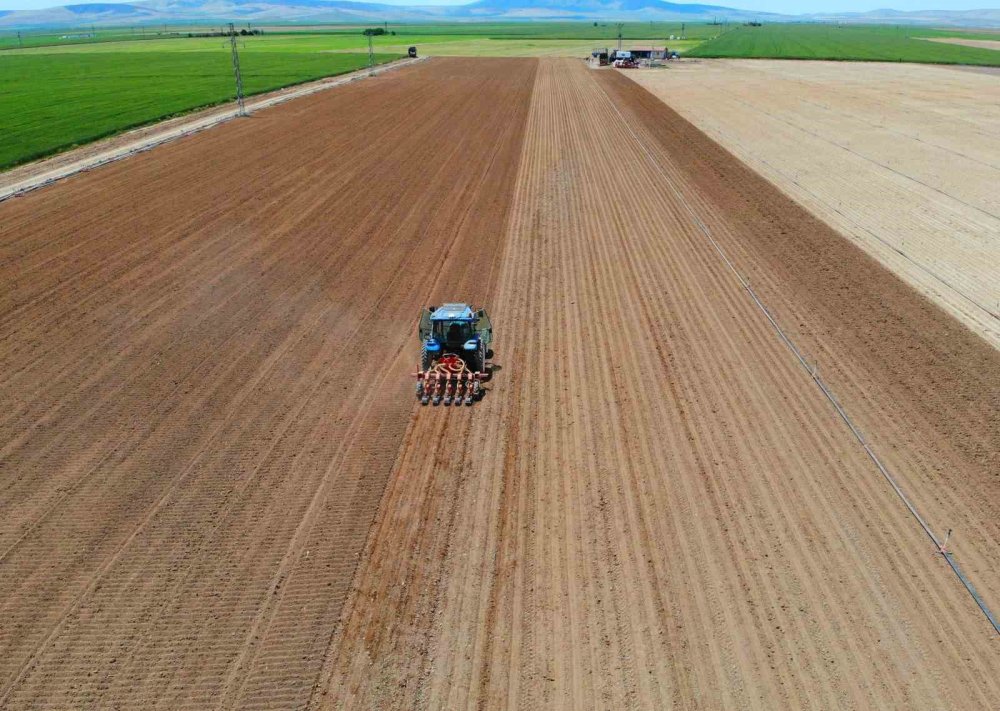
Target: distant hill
{"points": [[104, 8], [597, 9], [986, 17], [174, 11], [305, 11]]}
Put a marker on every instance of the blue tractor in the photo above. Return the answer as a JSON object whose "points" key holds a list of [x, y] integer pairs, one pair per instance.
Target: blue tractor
{"points": [[456, 345]]}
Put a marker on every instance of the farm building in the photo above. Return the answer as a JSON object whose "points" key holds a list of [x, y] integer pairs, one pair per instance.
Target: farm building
{"points": [[649, 52]]}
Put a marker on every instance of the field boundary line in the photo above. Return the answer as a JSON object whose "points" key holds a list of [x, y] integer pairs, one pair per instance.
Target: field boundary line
{"points": [[197, 125], [812, 371]]}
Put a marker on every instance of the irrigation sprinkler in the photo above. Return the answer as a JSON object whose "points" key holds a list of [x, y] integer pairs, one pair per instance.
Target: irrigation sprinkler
{"points": [[944, 546]]}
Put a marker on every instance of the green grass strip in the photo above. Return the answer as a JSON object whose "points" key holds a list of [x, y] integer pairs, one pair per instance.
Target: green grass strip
{"points": [[53, 102]]}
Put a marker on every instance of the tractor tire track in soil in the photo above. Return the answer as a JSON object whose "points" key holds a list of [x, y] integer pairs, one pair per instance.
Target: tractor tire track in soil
{"points": [[655, 507], [205, 358]]}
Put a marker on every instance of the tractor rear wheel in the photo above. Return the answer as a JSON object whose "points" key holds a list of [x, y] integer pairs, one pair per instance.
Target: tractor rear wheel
{"points": [[477, 363], [426, 358]]}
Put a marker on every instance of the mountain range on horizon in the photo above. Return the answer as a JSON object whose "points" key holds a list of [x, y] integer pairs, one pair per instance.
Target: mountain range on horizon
{"points": [[150, 12]]}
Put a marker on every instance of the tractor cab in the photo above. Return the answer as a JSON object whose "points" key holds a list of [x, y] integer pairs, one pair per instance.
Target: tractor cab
{"points": [[452, 327], [455, 328]]}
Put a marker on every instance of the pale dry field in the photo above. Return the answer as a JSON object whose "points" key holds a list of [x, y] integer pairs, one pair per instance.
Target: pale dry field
{"points": [[903, 159], [983, 44]]}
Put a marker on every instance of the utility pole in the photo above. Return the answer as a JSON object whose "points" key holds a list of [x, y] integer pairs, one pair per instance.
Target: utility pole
{"points": [[371, 52], [620, 35], [236, 70], [20, 44]]}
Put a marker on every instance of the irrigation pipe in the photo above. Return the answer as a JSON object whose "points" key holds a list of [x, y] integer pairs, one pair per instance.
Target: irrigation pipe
{"points": [[886, 474]]}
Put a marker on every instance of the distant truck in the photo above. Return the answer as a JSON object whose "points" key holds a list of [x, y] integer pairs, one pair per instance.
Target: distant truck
{"points": [[626, 64], [412, 51]]}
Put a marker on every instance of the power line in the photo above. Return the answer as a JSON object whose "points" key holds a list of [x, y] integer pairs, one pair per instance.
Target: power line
{"points": [[236, 71]]}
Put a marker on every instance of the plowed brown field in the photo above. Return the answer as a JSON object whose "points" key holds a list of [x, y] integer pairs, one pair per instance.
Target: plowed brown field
{"points": [[656, 507], [205, 382], [205, 355]]}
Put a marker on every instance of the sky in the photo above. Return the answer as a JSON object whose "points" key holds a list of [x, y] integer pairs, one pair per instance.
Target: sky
{"points": [[790, 7]]}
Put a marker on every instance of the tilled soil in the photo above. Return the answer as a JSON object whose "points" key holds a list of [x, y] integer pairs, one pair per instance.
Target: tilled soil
{"points": [[209, 427], [205, 379], [656, 507]]}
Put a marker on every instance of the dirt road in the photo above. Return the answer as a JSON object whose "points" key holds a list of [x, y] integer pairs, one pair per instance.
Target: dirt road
{"points": [[205, 382], [217, 490], [656, 507], [903, 159]]}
